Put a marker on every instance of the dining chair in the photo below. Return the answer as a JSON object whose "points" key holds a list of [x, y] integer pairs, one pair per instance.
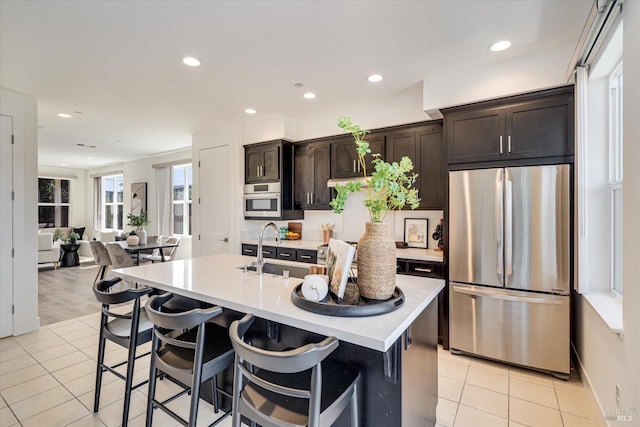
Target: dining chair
{"points": [[119, 257], [169, 253], [101, 258], [298, 387]]}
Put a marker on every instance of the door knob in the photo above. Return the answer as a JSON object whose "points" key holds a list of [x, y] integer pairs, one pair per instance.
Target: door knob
{"points": [[226, 239]]}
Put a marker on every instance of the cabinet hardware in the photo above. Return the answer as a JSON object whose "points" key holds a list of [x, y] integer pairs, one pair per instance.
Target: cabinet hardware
{"points": [[311, 198], [305, 256], [354, 166], [500, 144], [424, 270], [358, 166], [509, 144], [285, 254]]}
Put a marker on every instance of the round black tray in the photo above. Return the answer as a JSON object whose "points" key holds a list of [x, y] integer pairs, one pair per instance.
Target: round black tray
{"points": [[365, 307]]}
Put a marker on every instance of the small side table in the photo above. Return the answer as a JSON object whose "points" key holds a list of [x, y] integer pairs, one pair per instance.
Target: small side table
{"points": [[69, 256]]}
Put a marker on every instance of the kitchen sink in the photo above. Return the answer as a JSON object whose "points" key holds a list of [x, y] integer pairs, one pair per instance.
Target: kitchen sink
{"points": [[277, 269]]}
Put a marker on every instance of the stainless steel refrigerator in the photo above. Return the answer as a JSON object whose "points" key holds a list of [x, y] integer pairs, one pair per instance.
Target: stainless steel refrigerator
{"points": [[509, 264]]}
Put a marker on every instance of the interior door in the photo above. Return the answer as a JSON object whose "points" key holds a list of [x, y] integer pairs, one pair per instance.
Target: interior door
{"points": [[215, 200], [6, 229]]}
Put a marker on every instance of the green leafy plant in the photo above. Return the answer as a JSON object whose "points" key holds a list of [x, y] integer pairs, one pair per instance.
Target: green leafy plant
{"points": [[138, 220], [390, 185], [72, 238], [57, 234]]}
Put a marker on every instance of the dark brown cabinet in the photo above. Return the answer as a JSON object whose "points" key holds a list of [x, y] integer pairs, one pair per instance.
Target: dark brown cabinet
{"points": [[530, 126], [424, 146], [344, 158], [312, 171], [262, 162]]}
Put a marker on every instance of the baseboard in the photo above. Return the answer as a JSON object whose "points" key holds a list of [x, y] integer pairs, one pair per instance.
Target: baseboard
{"points": [[585, 376]]}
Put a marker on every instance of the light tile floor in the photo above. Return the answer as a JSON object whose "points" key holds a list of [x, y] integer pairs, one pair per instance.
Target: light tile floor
{"points": [[47, 379]]}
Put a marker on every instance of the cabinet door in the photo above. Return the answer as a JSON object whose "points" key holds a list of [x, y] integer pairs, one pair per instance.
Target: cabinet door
{"points": [[402, 143], [344, 157], [430, 167], [320, 173], [475, 136], [541, 128], [249, 250], [253, 163], [271, 163], [302, 177]]}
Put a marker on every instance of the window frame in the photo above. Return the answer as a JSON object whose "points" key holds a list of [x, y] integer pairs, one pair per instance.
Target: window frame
{"points": [[186, 202], [615, 178], [57, 203], [117, 178]]}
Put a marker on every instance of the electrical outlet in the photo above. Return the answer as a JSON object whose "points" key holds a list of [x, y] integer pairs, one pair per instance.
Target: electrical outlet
{"points": [[618, 393]]}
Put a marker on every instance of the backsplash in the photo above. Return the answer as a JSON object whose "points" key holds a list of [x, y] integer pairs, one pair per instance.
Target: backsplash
{"points": [[350, 224]]}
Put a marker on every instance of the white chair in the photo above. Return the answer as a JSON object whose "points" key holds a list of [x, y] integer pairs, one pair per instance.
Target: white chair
{"points": [[48, 252], [169, 253]]}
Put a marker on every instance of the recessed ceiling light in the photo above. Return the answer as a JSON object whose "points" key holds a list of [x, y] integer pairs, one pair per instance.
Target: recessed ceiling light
{"points": [[309, 95], [89, 158], [250, 111], [374, 78], [298, 84], [63, 164], [498, 46], [64, 115], [191, 61]]}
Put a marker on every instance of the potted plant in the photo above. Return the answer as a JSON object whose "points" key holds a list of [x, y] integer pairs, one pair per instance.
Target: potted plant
{"points": [[72, 238], [388, 188], [139, 222]]}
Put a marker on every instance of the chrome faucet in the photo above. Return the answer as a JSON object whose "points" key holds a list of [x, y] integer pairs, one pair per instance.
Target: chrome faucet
{"points": [[260, 262]]}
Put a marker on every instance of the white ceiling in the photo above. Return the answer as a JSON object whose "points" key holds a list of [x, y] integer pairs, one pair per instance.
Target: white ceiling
{"points": [[119, 63]]}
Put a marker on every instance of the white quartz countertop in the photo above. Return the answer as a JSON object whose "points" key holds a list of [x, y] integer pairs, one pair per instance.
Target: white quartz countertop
{"points": [[214, 279], [408, 253]]}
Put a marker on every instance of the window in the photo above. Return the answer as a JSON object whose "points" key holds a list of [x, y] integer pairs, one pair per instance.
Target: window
{"points": [[181, 186], [53, 202], [615, 175], [112, 202]]}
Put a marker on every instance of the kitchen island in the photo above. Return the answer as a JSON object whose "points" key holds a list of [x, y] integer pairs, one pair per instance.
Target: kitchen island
{"points": [[396, 352]]}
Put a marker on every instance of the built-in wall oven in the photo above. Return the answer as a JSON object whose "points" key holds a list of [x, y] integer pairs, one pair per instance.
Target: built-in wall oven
{"points": [[262, 200]]}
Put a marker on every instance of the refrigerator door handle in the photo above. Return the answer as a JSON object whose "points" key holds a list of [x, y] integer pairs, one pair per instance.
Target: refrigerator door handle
{"points": [[508, 225], [474, 292], [500, 229]]}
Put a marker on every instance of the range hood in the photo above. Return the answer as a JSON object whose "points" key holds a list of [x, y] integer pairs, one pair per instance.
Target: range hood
{"points": [[343, 181]]}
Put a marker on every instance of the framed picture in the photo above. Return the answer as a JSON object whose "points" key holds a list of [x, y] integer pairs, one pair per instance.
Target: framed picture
{"points": [[416, 232], [138, 198]]}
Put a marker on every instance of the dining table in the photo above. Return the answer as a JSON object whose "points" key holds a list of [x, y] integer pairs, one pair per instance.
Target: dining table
{"points": [[136, 249]]}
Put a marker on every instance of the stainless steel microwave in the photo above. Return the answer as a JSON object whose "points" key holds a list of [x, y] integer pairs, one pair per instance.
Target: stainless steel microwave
{"points": [[262, 200]]}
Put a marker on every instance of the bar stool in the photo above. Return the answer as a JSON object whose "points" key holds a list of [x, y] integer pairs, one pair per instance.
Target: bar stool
{"points": [[189, 349], [290, 388], [129, 330]]}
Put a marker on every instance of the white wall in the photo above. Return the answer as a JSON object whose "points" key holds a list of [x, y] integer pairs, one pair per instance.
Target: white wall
{"points": [[608, 360], [523, 74], [23, 109]]}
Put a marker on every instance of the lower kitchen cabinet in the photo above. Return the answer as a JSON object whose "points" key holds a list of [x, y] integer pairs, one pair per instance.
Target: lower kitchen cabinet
{"points": [[252, 250], [410, 267], [307, 256]]}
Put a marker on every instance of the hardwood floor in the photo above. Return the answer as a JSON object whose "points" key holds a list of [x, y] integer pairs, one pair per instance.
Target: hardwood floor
{"points": [[66, 293]]}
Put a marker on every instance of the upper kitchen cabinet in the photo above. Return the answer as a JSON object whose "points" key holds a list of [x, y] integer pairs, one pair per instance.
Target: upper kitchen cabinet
{"points": [[312, 171], [528, 126], [262, 162], [344, 158], [423, 144]]}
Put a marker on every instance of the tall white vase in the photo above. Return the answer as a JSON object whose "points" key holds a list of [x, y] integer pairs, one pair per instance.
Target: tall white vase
{"points": [[142, 234]]}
